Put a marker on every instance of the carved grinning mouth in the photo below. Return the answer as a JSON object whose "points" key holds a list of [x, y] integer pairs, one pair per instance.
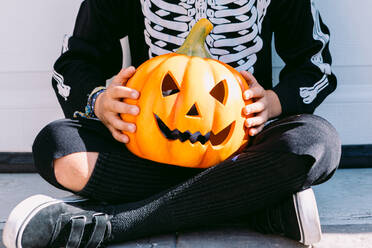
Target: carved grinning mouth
{"points": [[215, 139]]}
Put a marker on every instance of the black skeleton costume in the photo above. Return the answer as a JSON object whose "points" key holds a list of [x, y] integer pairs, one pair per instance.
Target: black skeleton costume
{"points": [[242, 38]]}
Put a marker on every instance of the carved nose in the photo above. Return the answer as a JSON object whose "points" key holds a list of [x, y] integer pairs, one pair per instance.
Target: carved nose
{"points": [[193, 111]]}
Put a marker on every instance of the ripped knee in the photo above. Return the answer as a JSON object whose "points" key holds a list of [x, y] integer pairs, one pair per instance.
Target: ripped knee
{"points": [[73, 171]]}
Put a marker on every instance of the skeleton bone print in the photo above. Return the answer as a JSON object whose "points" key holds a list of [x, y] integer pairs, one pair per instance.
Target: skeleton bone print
{"points": [[235, 38], [310, 93]]}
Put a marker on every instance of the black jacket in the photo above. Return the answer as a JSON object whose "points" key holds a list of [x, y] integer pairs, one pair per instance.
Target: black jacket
{"points": [[242, 37]]}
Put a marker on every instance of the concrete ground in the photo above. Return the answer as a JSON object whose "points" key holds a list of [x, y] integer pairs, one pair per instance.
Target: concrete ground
{"points": [[345, 207]]}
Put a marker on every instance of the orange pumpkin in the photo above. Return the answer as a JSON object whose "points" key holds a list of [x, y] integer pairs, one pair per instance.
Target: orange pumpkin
{"points": [[191, 106]]}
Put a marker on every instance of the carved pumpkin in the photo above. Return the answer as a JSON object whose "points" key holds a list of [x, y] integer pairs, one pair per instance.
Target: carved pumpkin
{"points": [[191, 106]]}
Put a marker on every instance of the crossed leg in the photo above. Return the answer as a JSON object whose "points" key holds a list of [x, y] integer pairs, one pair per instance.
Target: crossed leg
{"points": [[289, 155]]}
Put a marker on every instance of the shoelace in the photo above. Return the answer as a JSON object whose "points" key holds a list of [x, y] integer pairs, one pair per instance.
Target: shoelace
{"points": [[77, 224]]}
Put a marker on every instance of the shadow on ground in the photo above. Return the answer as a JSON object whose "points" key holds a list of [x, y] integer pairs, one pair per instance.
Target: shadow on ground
{"points": [[217, 238], [347, 236]]}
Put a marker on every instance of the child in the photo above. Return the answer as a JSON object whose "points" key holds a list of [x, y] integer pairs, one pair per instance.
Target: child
{"points": [[267, 186]]}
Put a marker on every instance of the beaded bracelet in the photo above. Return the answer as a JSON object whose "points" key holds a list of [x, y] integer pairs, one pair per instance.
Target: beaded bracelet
{"points": [[89, 108]]}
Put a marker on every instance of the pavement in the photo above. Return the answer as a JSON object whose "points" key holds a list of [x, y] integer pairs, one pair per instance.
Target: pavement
{"points": [[344, 202]]}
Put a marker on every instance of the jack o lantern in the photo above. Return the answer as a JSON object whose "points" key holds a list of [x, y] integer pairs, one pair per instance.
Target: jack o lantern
{"points": [[191, 106]]}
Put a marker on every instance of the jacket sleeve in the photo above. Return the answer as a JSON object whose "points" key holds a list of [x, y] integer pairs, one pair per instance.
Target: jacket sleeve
{"points": [[93, 53], [302, 41]]}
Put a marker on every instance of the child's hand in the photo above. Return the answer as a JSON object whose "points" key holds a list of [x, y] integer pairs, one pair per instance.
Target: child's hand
{"points": [[266, 105], [109, 104]]}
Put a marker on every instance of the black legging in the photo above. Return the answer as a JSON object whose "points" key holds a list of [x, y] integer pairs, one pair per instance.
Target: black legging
{"points": [[289, 155]]}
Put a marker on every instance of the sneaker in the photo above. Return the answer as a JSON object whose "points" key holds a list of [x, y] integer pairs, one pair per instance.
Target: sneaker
{"points": [[42, 221], [296, 218]]}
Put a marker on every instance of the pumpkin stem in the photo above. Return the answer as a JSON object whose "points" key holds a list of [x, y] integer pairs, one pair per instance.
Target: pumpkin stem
{"points": [[194, 43]]}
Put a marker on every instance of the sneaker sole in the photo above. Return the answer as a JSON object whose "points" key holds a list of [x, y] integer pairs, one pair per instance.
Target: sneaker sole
{"points": [[309, 223], [23, 213]]}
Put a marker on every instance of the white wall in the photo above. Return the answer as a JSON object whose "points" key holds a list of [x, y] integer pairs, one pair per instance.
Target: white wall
{"points": [[349, 109], [31, 34]]}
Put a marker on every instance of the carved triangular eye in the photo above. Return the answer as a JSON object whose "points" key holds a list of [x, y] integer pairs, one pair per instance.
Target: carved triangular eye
{"points": [[219, 92], [169, 86]]}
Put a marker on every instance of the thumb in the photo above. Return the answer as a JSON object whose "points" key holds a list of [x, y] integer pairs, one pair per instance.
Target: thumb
{"points": [[251, 80], [124, 75]]}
